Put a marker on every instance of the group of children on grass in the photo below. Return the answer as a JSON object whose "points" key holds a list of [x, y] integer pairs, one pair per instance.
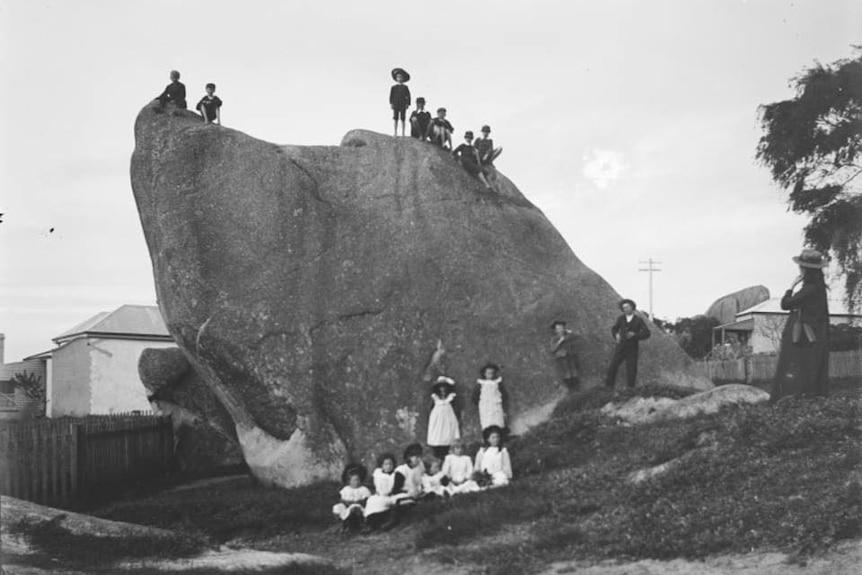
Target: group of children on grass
{"points": [[449, 472], [476, 156]]}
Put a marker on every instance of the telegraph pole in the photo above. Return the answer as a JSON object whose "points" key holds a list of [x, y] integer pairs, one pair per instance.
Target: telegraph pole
{"points": [[650, 263]]}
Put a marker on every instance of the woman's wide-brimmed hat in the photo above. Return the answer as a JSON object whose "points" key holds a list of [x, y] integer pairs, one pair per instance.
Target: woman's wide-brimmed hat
{"points": [[810, 259], [402, 71]]}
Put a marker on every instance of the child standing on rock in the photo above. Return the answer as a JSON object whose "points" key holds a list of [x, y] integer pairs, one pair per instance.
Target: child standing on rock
{"points": [[399, 98], [491, 397], [443, 429]]}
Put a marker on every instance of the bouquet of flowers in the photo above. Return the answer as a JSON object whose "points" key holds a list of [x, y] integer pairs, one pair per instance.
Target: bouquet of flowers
{"points": [[482, 478]]}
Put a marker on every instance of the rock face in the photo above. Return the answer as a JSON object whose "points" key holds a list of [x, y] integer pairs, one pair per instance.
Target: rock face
{"points": [[317, 290], [204, 431], [724, 309]]}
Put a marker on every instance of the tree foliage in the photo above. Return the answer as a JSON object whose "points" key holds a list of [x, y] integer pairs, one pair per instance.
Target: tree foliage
{"points": [[30, 383], [812, 144], [694, 334]]}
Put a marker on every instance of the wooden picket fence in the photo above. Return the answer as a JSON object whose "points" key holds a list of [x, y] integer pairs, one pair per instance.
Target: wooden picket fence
{"points": [[62, 461], [761, 368]]}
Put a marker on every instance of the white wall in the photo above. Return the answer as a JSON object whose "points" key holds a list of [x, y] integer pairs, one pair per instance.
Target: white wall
{"points": [[115, 385]]}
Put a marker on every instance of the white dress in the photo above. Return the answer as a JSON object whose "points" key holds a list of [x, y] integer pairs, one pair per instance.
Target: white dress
{"points": [[433, 484], [491, 403], [351, 498], [443, 427], [496, 462], [459, 469], [412, 481], [382, 499]]}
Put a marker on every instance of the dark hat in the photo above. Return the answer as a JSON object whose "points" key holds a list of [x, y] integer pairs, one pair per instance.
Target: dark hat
{"points": [[558, 322], [810, 259], [468, 134], [420, 100], [489, 365], [486, 433], [486, 128], [628, 301], [402, 71]]}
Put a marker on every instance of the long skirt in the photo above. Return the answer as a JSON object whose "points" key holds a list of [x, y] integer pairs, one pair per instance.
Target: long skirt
{"points": [[803, 367], [443, 426]]}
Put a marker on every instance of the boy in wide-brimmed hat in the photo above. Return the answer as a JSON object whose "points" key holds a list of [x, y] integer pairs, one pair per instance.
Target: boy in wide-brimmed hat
{"points": [[399, 98], [628, 330]]}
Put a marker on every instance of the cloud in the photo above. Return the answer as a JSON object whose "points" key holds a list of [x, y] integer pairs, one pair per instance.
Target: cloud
{"points": [[602, 167]]}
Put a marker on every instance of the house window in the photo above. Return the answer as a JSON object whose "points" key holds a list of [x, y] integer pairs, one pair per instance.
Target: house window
{"points": [[7, 386]]}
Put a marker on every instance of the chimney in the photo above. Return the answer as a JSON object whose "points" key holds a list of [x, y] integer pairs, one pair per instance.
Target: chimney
{"points": [[2, 348]]}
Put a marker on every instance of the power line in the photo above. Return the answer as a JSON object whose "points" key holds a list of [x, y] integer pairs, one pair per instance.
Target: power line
{"points": [[650, 263]]}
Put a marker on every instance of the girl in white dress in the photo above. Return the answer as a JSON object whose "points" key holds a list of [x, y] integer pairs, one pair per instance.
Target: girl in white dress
{"points": [[458, 467], [443, 429], [493, 458], [433, 481], [353, 497], [491, 397], [378, 505]]}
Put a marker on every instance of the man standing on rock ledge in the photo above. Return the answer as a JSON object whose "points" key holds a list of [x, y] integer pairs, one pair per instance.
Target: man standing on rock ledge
{"points": [[628, 330]]}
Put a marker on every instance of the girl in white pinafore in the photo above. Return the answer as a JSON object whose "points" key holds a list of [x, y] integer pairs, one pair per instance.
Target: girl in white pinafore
{"points": [[378, 505], [491, 397], [493, 458], [443, 429]]}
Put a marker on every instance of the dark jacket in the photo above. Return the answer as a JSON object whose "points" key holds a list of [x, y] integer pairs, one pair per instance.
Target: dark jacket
{"points": [[811, 303], [399, 97], [637, 327], [174, 92]]}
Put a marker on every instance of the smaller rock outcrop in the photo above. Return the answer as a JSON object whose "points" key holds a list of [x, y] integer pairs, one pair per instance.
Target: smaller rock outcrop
{"points": [[205, 434], [640, 410], [724, 309]]}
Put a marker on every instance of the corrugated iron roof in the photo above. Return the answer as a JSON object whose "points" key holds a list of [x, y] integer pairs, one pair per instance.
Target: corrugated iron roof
{"points": [[142, 320], [773, 305]]}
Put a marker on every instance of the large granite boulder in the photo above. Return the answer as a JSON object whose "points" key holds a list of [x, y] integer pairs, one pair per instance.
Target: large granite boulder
{"points": [[724, 309], [204, 432], [318, 289]]}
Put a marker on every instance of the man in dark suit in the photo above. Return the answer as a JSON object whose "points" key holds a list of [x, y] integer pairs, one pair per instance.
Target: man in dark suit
{"points": [[628, 330]]}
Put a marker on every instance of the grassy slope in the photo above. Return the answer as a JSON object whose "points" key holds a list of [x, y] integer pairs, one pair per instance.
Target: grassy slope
{"points": [[783, 476]]}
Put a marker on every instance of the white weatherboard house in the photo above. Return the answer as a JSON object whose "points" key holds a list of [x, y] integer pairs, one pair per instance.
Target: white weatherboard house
{"points": [[761, 326], [94, 368]]}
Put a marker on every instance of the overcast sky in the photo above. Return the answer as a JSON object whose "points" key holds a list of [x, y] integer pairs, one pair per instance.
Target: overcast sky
{"points": [[631, 124]]}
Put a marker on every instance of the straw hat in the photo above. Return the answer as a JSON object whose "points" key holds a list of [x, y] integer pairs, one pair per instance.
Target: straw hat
{"points": [[402, 71], [810, 259]]}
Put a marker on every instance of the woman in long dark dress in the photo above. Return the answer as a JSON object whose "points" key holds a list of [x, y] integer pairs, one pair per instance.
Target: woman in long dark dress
{"points": [[803, 363]]}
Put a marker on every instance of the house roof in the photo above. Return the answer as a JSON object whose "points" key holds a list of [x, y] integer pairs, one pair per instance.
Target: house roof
{"points": [[773, 305], [743, 325], [125, 321]]}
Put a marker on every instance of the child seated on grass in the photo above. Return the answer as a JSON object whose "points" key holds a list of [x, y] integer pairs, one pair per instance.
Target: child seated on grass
{"points": [[377, 509], [434, 482], [353, 497], [458, 467], [493, 460], [407, 486]]}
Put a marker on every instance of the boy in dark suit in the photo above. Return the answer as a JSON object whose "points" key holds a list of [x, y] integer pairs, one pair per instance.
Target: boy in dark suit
{"points": [[419, 120], [175, 92], [628, 330], [399, 98]]}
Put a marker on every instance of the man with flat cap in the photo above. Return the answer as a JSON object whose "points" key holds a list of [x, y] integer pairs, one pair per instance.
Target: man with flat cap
{"points": [[628, 330]]}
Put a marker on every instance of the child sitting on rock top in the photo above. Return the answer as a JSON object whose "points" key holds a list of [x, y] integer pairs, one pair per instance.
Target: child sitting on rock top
{"points": [[353, 497], [467, 155], [440, 130], [210, 106], [175, 92], [419, 120], [485, 147]]}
